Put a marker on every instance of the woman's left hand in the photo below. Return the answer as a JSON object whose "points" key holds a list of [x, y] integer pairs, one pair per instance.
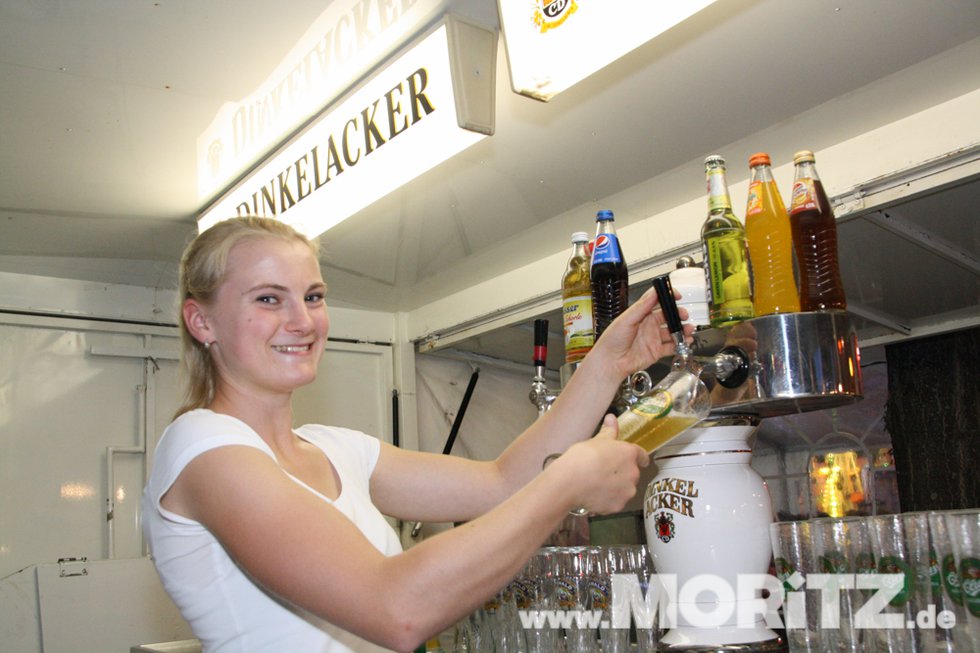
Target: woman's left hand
{"points": [[639, 337]]}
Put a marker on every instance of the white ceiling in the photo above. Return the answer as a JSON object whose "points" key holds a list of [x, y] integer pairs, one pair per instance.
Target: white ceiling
{"points": [[102, 101]]}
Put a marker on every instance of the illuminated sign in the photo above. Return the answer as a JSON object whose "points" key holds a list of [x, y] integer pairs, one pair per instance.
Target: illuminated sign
{"points": [[346, 41], [553, 44], [432, 102]]}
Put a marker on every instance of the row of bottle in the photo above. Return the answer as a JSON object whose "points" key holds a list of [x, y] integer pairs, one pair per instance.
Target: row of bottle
{"points": [[594, 287], [750, 271]]}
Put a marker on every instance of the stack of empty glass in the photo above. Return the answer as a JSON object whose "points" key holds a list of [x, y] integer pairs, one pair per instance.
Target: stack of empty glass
{"points": [[900, 583], [561, 601]]}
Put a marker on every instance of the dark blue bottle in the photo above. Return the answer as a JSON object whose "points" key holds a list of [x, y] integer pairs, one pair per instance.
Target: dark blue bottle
{"points": [[610, 278]]}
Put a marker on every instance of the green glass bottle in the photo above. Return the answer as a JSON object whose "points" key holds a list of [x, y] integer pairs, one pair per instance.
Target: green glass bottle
{"points": [[726, 254]]}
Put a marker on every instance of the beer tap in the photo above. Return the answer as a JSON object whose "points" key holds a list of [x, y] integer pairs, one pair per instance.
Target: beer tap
{"points": [[540, 395], [730, 366]]}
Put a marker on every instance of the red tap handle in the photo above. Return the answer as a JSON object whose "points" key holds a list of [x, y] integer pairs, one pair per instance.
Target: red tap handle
{"points": [[540, 342]]}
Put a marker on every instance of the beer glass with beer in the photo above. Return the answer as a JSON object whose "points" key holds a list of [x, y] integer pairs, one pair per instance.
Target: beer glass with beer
{"points": [[680, 400]]}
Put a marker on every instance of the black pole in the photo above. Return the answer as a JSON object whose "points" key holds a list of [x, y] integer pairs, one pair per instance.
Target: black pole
{"points": [[454, 431], [395, 433]]}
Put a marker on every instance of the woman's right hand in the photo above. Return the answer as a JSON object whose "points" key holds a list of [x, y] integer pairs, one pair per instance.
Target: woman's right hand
{"points": [[601, 473]]}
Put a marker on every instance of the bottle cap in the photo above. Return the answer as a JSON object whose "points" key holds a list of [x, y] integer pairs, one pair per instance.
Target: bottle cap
{"points": [[604, 214], [803, 156], [758, 159], [714, 160], [580, 237]]}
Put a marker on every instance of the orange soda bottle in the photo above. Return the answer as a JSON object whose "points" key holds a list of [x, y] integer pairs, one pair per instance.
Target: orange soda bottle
{"points": [[770, 240]]}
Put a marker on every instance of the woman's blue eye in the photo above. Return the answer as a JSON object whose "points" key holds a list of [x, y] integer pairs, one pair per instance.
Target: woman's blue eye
{"points": [[268, 299], [315, 298]]}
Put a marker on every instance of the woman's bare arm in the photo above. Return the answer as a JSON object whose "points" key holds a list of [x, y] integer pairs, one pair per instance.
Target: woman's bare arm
{"points": [[303, 550]]}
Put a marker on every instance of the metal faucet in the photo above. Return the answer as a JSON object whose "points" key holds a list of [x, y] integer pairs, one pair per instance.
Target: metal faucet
{"points": [[729, 367], [541, 396]]}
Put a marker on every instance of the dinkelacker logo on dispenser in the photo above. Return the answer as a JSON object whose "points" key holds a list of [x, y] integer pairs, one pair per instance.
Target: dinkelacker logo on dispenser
{"points": [[673, 494], [665, 526]]}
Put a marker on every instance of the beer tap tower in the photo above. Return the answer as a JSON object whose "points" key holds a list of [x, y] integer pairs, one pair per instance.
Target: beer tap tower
{"points": [[707, 512]]}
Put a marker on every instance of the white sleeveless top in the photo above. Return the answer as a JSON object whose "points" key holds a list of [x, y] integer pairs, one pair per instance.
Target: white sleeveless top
{"points": [[225, 609]]}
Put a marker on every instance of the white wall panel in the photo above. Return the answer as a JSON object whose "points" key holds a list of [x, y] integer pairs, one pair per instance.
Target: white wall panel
{"points": [[353, 389], [38, 294], [66, 394], [60, 407], [76, 617]]}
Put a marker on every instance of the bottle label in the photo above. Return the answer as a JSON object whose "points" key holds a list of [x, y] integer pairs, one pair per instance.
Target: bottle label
{"points": [[606, 249], [754, 204], [804, 196], [709, 296], [566, 593], [577, 319], [717, 192], [716, 271]]}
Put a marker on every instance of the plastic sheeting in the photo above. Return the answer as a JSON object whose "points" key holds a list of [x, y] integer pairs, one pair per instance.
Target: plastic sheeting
{"points": [[498, 411]]}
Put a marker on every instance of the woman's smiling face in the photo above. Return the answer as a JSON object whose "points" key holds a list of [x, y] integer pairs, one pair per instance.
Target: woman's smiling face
{"points": [[269, 319]]}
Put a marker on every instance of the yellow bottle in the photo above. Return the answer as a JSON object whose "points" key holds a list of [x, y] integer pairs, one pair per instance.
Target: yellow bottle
{"points": [[727, 269], [770, 240], [576, 293]]}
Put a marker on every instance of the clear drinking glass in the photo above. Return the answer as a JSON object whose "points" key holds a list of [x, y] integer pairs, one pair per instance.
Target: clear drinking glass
{"points": [[609, 560], [680, 400], [641, 564], [964, 533], [834, 555], [576, 566], [897, 554], [792, 548], [539, 576]]}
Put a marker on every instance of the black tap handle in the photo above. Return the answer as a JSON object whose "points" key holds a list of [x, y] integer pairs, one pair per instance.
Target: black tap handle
{"points": [[540, 342], [665, 293]]}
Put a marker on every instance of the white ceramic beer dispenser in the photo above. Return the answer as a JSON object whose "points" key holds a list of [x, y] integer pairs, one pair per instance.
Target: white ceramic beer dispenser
{"points": [[707, 512]]}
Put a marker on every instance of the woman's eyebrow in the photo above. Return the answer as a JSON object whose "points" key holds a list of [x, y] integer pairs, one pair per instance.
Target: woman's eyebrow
{"points": [[265, 286], [275, 286]]}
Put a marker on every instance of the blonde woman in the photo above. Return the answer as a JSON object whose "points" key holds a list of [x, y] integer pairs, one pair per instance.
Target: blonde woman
{"points": [[270, 537]]}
